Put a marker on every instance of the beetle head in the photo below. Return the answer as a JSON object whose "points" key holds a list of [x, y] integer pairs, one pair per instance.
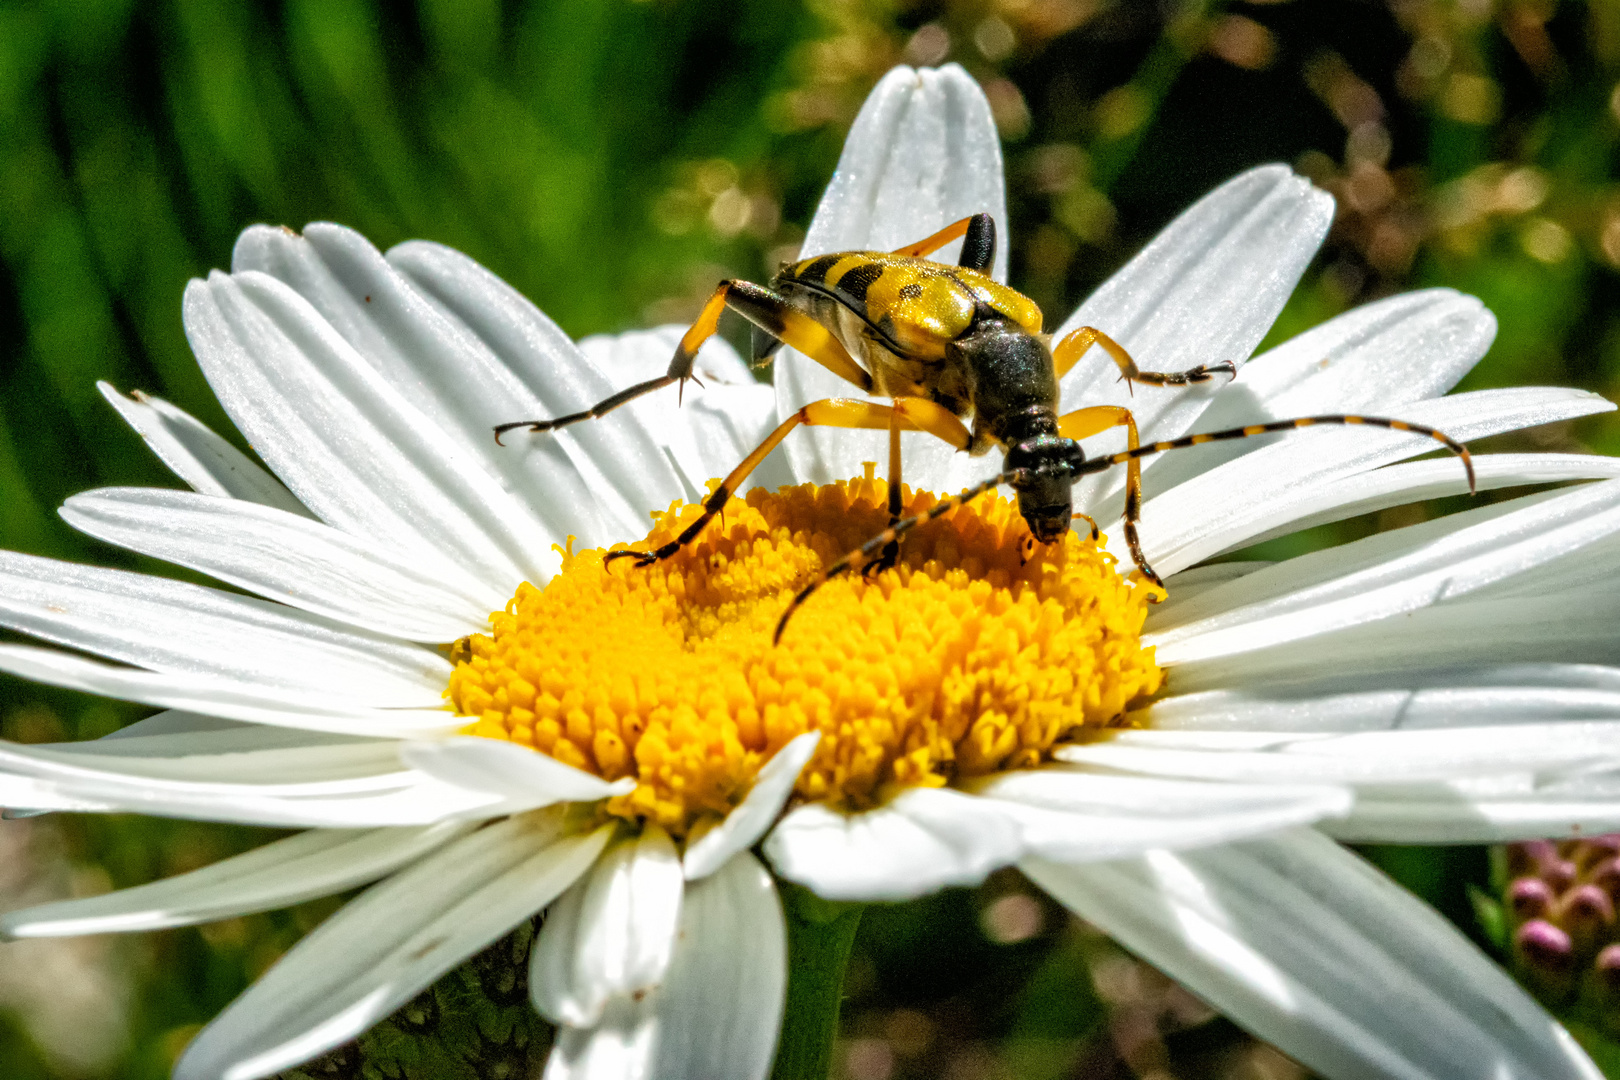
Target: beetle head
{"points": [[1043, 469]]}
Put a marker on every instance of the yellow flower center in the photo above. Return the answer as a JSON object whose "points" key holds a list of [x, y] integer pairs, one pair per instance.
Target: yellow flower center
{"points": [[978, 652]]}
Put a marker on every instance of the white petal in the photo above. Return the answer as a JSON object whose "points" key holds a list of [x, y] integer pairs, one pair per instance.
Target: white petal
{"points": [[612, 934], [169, 723], [1494, 694], [622, 473], [1436, 562], [922, 153], [1200, 517], [1486, 810], [221, 696], [715, 426], [249, 754], [922, 840], [1304, 574], [1318, 953], [1076, 816], [243, 774], [1367, 757], [279, 874], [196, 455], [286, 558], [1566, 626], [1371, 359], [1205, 291], [177, 628], [1398, 485], [400, 799], [384, 947], [743, 827], [459, 343], [527, 778], [718, 1012], [349, 444]]}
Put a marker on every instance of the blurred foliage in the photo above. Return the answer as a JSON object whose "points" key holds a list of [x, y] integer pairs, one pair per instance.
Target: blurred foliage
{"points": [[612, 160]]}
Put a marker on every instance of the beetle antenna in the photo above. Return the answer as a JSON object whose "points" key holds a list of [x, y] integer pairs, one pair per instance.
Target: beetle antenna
{"points": [[1095, 465]]}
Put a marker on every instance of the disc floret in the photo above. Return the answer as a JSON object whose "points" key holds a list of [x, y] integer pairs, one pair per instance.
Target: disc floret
{"points": [[978, 652]]}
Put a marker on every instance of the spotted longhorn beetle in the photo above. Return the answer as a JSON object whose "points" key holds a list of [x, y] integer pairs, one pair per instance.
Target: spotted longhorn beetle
{"points": [[946, 344]]}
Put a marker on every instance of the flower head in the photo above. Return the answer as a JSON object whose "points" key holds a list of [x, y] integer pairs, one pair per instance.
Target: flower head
{"points": [[620, 738]]}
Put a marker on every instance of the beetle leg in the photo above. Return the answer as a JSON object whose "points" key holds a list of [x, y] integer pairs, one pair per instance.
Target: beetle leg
{"points": [[914, 413], [891, 550], [908, 413], [760, 306], [1084, 423], [1074, 345]]}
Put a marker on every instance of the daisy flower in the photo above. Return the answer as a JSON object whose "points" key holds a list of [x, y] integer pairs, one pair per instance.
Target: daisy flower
{"points": [[619, 741]]}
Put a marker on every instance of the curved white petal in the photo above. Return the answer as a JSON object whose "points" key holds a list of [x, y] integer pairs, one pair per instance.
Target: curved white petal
{"points": [[1485, 810], [706, 430], [276, 875], [1200, 517], [1377, 557], [197, 455], [173, 733], [612, 934], [222, 696], [1574, 624], [398, 798], [622, 473], [1075, 816], [525, 777], [922, 153], [922, 840], [1204, 291], [1366, 757], [1474, 697], [286, 558], [350, 444], [182, 629], [1428, 564], [458, 342], [743, 827], [1371, 359], [384, 947], [1397, 485], [1323, 956], [717, 1014], [263, 756]]}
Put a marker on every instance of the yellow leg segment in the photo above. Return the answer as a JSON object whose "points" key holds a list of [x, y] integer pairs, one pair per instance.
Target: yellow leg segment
{"points": [[829, 412], [1075, 345], [1084, 423]]}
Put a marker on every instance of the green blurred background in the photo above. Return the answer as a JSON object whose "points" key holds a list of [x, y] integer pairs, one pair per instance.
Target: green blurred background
{"points": [[612, 160]]}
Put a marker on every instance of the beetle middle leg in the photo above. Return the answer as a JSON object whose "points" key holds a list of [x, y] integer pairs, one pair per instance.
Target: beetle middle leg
{"points": [[1068, 352], [1084, 423], [906, 414]]}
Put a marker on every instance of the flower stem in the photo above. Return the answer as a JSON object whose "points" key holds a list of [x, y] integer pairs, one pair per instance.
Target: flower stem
{"points": [[820, 935]]}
